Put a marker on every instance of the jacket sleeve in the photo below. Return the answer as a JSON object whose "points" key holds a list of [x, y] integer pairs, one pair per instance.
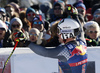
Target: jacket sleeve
{"points": [[52, 52]]}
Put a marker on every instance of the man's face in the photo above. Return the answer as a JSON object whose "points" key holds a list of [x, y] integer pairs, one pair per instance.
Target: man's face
{"points": [[2, 33], [58, 10]]}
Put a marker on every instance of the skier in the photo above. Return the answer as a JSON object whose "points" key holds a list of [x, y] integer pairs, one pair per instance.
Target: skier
{"points": [[73, 48]]}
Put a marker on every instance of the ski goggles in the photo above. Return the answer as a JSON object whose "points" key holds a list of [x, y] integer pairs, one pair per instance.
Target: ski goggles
{"points": [[31, 14], [40, 22], [33, 34]]}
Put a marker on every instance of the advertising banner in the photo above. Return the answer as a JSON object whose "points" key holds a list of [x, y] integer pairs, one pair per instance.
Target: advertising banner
{"points": [[3, 59], [93, 60], [26, 61]]}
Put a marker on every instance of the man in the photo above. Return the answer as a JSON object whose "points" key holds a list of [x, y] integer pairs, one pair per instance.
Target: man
{"points": [[73, 48], [58, 11]]}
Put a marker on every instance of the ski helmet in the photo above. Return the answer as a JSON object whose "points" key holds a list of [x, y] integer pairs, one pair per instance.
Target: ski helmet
{"points": [[68, 28]]}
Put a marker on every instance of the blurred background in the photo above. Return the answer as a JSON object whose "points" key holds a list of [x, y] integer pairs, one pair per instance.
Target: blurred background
{"points": [[28, 3]]}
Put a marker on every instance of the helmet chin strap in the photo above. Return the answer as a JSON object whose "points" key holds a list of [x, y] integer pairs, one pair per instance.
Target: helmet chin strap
{"points": [[68, 40]]}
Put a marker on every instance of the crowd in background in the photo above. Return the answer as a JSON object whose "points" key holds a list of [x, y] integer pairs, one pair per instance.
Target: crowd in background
{"points": [[38, 23]]}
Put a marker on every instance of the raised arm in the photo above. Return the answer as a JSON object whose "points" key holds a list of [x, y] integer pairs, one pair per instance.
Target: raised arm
{"points": [[49, 52]]}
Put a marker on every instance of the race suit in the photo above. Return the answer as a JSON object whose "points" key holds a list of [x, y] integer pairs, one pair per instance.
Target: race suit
{"points": [[77, 62]]}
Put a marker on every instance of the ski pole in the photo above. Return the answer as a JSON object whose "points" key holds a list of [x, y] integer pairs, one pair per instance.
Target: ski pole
{"points": [[9, 56]]}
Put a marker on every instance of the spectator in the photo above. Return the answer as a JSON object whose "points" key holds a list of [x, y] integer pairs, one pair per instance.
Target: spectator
{"points": [[12, 39], [3, 30], [81, 9], [26, 23], [95, 7], [96, 16], [16, 7], [16, 23], [92, 33], [10, 9], [36, 37], [3, 13], [5, 16], [46, 8], [30, 14], [58, 10], [39, 23]]}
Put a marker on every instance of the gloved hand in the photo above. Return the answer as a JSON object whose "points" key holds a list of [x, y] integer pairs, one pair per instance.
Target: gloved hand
{"points": [[19, 36], [39, 40]]}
